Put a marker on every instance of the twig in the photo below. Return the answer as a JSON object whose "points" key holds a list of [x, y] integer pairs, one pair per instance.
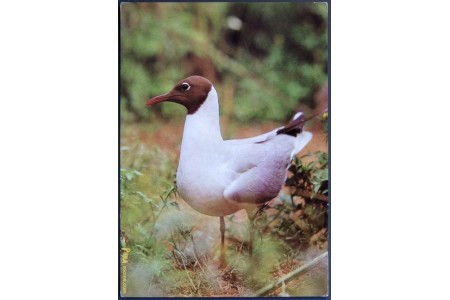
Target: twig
{"points": [[187, 273], [192, 283], [196, 254], [311, 195], [271, 221], [291, 275]]}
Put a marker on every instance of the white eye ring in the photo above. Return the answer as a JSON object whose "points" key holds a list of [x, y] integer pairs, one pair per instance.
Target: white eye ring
{"points": [[185, 86]]}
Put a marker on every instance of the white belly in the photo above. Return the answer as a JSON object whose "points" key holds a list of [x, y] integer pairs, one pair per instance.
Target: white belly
{"points": [[202, 186]]}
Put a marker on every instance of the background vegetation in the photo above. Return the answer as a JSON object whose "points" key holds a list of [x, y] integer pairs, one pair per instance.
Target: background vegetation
{"points": [[266, 60]]}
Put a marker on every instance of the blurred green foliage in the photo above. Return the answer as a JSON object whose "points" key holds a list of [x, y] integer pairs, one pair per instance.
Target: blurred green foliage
{"points": [[264, 58], [302, 218]]}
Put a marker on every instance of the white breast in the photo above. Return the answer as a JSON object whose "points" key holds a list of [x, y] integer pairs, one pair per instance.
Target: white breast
{"points": [[202, 175]]}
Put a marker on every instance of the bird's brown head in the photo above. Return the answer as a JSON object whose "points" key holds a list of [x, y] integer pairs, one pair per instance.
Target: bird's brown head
{"points": [[190, 92]]}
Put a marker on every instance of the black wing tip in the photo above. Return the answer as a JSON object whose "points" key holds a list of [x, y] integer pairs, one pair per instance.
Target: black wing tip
{"points": [[295, 126]]}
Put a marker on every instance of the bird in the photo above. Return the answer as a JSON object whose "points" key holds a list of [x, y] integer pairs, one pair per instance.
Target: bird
{"points": [[219, 177]]}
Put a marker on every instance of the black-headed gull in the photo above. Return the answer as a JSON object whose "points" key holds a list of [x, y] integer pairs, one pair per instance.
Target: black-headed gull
{"points": [[219, 177]]}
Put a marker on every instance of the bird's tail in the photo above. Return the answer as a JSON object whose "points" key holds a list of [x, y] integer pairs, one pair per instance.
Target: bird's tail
{"points": [[295, 128], [302, 140]]}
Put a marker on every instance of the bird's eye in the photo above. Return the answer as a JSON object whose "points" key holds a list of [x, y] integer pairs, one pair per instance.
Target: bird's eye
{"points": [[185, 86]]}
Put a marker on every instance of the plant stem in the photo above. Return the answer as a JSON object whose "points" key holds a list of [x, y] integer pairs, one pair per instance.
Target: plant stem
{"points": [[311, 195], [291, 275]]}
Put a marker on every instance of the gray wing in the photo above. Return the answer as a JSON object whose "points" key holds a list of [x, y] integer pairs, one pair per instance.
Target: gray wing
{"points": [[254, 140], [260, 170], [260, 164]]}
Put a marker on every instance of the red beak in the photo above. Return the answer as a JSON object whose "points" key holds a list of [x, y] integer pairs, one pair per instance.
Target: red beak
{"points": [[157, 99]]}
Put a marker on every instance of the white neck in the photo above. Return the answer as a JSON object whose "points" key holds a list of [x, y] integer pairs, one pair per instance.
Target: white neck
{"points": [[203, 127]]}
